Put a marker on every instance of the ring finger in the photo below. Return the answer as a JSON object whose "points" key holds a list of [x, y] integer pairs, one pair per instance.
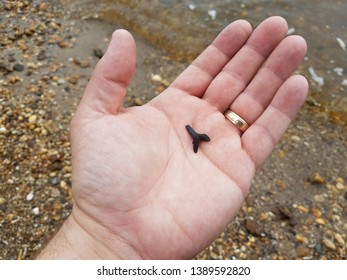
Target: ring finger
{"points": [[240, 70], [256, 97]]}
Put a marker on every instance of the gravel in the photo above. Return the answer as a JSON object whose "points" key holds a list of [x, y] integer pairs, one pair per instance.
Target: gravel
{"points": [[297, 206]]}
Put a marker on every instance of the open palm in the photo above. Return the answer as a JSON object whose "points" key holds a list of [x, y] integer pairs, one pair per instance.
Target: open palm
{"points": [[136, 177]]}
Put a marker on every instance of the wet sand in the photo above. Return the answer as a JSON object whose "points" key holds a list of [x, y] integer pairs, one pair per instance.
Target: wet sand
{"points": [[297, 207]]}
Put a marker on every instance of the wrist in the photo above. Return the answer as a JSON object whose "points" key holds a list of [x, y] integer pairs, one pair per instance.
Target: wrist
{"points": [[82, 238]]}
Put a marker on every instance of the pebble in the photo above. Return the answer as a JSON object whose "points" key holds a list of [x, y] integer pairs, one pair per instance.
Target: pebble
{"points": [[2, 200], [63, 44], [302, 208], [303, 251], [316, 212], [320, 221], [138, 101], [83, 63], [340, 186], [55, 180], [319, 198], [212, 14], [32, 119], [35, 211], [316, 178], [296, 138], [191, 7], [30, 196], [98, 53], [61, 81], [42, 55], [301, 239], [329, 244], [340, 240], [55, 192], [18, 67], [254, 227], [156, 78], [3, 130], [43, 7]]}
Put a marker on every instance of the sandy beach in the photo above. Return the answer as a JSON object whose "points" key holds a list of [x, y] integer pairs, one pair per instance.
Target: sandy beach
{"points": [[297, 207]]}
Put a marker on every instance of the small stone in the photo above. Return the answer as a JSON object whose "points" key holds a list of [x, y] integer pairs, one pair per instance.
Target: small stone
{"points": [[336, 218], [18, 67], [56, 218], [191, 7], [2, 200], [138, 101], [156, 78], [303, 251], [43, 7], [63, 44], [253, 227], [55, 181], [340, 240], [32, 119], [316, 212], [301, 239], [98, 53], [30, 196], [55, 78], [340, 180], [53, 155], [329, 244], [320, 221], [316, 178], [284, 212], [57, 206], [296, 138], [3, 130], [302, 208], [63, 184], [340, 186], [281, 183], [73, 79], [13, 79], [281, 154], [319, 198], [84, 63], [6, 67], [42, 55], [56, 166], [55, 192], [212, 14], [61, 81], [318, 248], [35, 211]]}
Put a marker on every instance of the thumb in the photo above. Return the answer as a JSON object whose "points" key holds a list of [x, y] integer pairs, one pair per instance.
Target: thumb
{"points": [[106, 89]]}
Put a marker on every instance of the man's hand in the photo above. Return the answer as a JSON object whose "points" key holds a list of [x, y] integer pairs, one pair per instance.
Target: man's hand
{"points": [[140, 190]]}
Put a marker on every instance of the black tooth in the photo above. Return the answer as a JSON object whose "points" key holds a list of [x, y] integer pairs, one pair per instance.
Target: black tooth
{"points": [[196, 143], [204, 137], [196, 137]]}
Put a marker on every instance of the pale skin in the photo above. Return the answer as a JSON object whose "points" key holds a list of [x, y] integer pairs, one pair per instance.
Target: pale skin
{"points": [[140, 191]]}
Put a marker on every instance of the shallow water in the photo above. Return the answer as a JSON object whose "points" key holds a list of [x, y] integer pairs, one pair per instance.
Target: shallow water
{"points": [[185, 27]]}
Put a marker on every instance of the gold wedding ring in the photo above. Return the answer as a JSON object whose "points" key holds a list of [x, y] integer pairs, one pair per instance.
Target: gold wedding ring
{"points": [[239, 122]]}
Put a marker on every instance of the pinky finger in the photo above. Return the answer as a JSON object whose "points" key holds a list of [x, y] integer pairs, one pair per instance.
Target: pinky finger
{"points": [[260, 139]]}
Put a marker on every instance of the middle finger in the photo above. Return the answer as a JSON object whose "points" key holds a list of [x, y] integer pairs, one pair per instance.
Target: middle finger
{"points": [[235, 76]]}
